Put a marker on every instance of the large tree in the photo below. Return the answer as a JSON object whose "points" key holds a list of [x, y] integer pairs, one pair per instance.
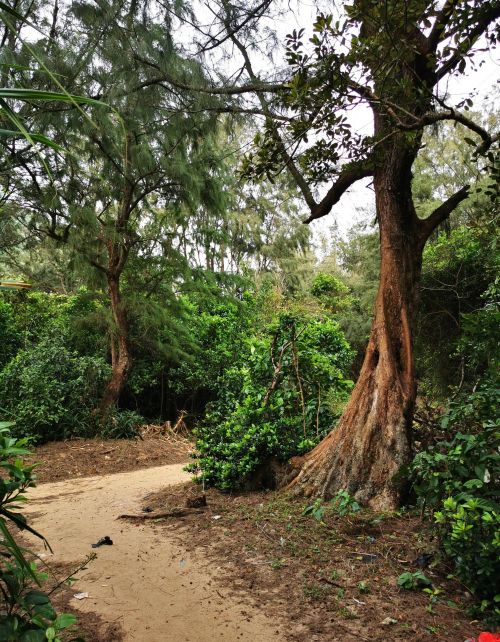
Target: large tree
{"points": [[395, 58]]}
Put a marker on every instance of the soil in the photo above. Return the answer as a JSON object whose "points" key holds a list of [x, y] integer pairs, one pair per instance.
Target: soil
{"points": [[83, 458], [334, 580], [145, 586], [198, 567]]}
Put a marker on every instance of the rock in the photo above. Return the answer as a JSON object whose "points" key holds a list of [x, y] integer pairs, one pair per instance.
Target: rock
{"points": [[388, 621]]}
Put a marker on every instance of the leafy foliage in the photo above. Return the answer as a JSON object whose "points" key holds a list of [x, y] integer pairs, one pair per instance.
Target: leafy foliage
{"points": [[457, 274], [51, 391], [459, 480], [122, 424], [316, 510], [354, 264], [282, 397], [10, 338], [342, 504], [218, 326], [331, 291], [413, 581]]}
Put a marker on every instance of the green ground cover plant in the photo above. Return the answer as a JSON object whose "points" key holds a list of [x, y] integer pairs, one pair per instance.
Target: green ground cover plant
{"points": [[457, 481]]}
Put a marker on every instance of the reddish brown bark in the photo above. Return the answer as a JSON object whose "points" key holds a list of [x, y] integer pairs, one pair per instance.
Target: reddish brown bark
{"points": [[372, 440], [118, 250], [121, 361]]}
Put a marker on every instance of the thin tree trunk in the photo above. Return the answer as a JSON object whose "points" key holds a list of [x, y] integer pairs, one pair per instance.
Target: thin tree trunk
{"points": [[118, 250], [121, 360]]}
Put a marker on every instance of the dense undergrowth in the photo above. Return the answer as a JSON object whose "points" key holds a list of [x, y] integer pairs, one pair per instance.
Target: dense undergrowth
{"points": [[458, 483], [262, 371], [282, 397]]}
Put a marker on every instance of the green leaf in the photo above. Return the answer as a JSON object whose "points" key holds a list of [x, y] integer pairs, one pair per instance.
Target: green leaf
{"points": [[37, 597], [20, 522], [33, 636], [64, 620], [15, 551], [38, 138], [39, 94]]}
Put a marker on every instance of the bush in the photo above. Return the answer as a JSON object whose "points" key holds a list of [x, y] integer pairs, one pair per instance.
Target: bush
{"points": [[331, 292], [460, 481], [278, 403], [33, 316], [122, 424], [457, 274], [219, 329], [51, 391]]}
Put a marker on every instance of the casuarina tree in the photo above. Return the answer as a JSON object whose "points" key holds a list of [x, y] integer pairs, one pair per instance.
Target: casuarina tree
{"points": [[141, 158]]}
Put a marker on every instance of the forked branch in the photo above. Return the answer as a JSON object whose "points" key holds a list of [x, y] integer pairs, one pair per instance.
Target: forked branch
{"points": [[441, 213], [490, 13], [351, 173]]}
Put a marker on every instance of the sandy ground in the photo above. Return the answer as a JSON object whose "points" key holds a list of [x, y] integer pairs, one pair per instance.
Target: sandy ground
{"points": [[145, 582]]}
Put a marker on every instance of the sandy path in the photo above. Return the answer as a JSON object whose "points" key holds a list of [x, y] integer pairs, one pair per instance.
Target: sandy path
{"points": [[147, 583]]}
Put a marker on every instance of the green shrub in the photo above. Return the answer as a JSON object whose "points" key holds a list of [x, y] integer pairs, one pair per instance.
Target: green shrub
{"points": [[458, 321], [219, 329], [51, 391], [122, 424], [328, 285], [275, 405], [26, 612], [460, 481], [331, 292]]}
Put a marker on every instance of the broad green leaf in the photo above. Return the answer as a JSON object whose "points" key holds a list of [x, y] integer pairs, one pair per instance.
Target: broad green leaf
{"points": [[64, 620], [38, 94], [38, 138]]}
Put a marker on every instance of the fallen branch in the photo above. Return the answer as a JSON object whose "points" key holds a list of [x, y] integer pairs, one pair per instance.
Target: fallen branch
{"points": [[90, 558], [179, 512]]}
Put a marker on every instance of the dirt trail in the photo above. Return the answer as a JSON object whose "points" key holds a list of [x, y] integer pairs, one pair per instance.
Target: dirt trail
{"points": [[147, 583]]}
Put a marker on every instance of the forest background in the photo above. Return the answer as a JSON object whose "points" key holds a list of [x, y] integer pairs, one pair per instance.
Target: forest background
{"points": [[173, 275]]}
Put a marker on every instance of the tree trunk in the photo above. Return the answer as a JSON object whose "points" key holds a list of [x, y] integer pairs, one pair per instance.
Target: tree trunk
{"points": [[121, 360], [372, 440]]}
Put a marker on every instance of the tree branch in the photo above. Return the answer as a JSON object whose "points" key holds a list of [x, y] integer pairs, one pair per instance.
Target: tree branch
{"points": [[441, 213], [258, 88], [255, 13], [491, 13], [98, 266], [442, 19], [351, 173], [289, 163], [229, 109], [449, 114]]}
